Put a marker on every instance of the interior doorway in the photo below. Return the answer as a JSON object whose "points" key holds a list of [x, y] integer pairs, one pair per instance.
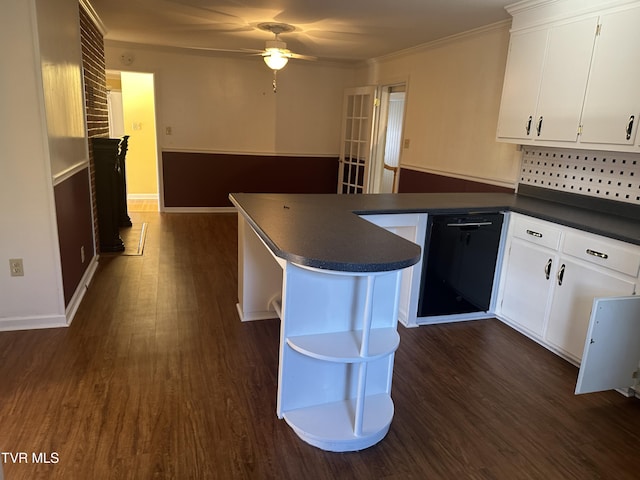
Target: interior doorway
{"points": [[132, 112], [389, 139]]}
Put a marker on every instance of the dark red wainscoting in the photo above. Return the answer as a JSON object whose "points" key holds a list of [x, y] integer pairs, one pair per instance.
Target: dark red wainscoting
{"points": [[413, 181], [75, 229], [206, 179]]}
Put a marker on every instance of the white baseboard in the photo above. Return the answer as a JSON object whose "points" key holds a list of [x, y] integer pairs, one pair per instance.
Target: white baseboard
{"points": [[32, 323], [266, 315], [72, 308], [36, 322]]}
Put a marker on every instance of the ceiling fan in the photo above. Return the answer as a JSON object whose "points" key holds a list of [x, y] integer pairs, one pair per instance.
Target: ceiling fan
{"points": [[276, 54]]}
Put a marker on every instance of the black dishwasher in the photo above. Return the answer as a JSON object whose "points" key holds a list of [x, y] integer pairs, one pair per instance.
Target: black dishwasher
{"points": [[459, 263]]}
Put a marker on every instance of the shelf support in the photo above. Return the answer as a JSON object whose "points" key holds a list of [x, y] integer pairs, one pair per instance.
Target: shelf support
{"points": [[364, 351]]}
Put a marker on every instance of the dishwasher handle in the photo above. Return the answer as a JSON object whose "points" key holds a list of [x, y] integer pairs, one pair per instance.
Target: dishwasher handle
{"points": [[469, 224]]}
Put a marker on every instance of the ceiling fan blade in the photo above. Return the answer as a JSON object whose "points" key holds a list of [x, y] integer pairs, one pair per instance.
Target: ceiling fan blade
{"points": [[303, 57]]}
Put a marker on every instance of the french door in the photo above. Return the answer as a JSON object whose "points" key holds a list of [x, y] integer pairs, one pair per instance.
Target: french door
{"points": [[355, 151]]}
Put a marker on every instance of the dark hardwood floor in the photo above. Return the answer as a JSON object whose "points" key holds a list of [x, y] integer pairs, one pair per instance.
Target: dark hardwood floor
{"points": [[158, 378]]}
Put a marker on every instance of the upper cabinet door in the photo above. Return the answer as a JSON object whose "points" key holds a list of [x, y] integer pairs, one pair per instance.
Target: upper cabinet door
{"points": [[612, 350], [521, 84], [564, 80], [612, 106]]}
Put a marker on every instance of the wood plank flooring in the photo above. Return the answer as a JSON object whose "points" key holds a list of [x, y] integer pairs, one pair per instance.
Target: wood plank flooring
{"points": [[158, 379]]}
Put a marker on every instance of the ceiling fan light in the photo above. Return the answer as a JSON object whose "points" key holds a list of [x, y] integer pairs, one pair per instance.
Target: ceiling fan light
{"points": [[275, 60]]}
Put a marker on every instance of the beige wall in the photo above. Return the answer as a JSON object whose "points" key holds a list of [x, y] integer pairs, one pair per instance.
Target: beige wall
{"points": [[140, 124], [453, 98], [225, 103], [61, 64]]}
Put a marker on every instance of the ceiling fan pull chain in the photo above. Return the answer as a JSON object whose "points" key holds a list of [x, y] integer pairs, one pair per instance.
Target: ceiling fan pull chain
{"points": [[275, 85]]}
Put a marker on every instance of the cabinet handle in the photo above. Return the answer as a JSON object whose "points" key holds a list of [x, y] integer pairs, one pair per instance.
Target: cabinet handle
{"points": [[597, 254], [630, 126], [561, 274], [528, 124], [539, 126], [547, 269], [534, 233]]}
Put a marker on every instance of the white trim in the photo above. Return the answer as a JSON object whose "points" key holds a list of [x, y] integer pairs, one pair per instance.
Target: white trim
{"points": [[253, 316], [246, 153], [200, 210], [536, 13], [490, 181], [44, 133], [36, 322], [58, 178], [82, 288], [503, 24], [93, 15], [142, 196]]}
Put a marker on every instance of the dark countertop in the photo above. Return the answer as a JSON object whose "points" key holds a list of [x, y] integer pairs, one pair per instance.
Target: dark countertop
{"points": [[324, 230]]}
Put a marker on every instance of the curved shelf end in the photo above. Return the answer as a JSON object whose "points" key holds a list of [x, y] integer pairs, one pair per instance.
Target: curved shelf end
{"points": [[330, 426]]}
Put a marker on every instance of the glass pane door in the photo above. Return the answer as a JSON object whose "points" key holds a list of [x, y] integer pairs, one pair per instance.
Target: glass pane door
{"points": [[356, 148]]}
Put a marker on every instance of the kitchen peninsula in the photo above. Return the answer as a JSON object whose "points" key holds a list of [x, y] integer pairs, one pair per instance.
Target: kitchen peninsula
{"points": [[335, 281]]}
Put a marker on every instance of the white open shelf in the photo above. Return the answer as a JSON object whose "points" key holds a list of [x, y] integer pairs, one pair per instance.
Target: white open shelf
{"points": [[345, 346], [330, 426]]}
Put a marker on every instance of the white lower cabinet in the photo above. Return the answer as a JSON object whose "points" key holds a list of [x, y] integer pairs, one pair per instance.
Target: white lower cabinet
{"points": [[412, 227], [526, 294], [577, 285], [551, 277]]}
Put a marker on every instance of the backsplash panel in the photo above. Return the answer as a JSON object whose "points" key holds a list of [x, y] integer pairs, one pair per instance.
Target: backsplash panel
{"points": [[608, 175]]}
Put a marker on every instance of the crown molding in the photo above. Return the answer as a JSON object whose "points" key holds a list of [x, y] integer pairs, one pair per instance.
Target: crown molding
{"points": [[88, 8], [503, 24]]}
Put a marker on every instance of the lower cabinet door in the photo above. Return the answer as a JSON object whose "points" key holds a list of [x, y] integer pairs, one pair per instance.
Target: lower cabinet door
{"points": [[576, 287], [529, 278], [612, 348]]}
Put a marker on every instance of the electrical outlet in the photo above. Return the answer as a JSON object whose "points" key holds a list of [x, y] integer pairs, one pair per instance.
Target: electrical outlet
{"points": [[16, 267], [407, 142]]}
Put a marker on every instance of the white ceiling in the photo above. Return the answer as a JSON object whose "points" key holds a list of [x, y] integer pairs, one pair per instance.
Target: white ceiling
{"points": [[328, 29]]}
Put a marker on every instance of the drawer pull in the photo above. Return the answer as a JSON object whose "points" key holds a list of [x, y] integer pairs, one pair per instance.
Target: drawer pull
{"points": [[534, 234], [597, 254], [539, 127], [630, 126], [561, 274], [547, 269]]}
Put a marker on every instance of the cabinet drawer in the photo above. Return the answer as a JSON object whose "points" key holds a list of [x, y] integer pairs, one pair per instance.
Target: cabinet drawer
{"points": [[538, 232], [602, 251]]}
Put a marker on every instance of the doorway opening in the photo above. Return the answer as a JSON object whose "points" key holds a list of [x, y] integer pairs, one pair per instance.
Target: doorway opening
{"points": [[389, 139], [132, 112]]}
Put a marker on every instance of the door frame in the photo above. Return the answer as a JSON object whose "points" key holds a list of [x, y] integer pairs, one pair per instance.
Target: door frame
{"points": [[380, 136]]}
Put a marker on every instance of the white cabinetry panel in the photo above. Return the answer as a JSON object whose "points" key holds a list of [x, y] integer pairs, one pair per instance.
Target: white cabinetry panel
{"points": [[551, 277], [576, 287], [612, 106], [586, 83], [612, 349], [530, 272], [522, 83], [564, 80]]}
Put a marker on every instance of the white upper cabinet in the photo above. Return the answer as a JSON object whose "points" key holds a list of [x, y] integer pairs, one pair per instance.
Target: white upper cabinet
{"points": [[545, 82], [564, 80], [612, 106], [571, 75], [522, 84]]}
